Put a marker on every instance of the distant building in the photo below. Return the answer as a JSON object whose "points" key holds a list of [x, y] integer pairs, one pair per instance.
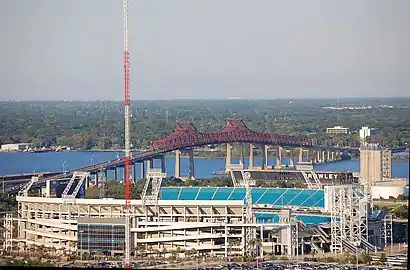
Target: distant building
{"points": [[14, 147], [367, 132], [337, 130]]}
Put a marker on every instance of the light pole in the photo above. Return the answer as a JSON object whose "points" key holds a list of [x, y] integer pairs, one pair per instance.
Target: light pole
{"points": [[197, 260], [81, 244], [63, 165], [92, 159], [257, 252]]}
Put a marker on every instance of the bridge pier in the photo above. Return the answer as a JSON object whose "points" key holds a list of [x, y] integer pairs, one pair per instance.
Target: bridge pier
{"points": [[251, 148], [142, 169], [150, 164], [318, 160], [163, 163], [115, 174], [228, 156], [308, 157], [177, 173], [96, 179], [278, 158], [265, 157], [191, 164], [291, 164], [242, 157], [133, 176]]}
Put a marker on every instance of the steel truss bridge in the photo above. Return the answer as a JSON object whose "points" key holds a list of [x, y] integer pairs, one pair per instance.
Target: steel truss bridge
{"points": [[186, 136]]}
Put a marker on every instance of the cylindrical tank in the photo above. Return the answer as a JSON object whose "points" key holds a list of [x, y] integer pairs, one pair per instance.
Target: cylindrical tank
{"points": [[385, 190]]}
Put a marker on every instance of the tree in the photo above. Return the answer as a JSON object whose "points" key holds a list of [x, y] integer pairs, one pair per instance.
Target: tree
{"points": [[92, 193], [365, 258], [401, 211], [174, 254], [383, 258], [86, 125], [164, 251], [178, 250]]}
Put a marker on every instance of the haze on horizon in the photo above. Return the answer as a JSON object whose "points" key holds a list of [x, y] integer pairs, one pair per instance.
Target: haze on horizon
{"points": [[216, 49]]}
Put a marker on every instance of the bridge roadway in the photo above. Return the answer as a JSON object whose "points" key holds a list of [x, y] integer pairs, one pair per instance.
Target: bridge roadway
{"points": [[134, 158], [25, 176], [94, 168]]}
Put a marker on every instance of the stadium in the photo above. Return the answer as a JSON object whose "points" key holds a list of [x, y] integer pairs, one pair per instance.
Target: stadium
{"points": [[210, 221]]}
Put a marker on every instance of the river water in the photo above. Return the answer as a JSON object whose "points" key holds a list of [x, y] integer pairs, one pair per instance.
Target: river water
{"points": [[21, 162]]}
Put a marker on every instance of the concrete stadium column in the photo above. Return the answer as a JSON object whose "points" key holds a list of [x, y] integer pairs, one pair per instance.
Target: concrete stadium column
{"points": [[265, 156], [328, 155], [300, 160], [278, 158], [228, 156], [251, 147], [191, 164], [333, 155], [106, 175], [323, 157], [163, 163], [142, 170], [318, 160], [177, 173]]}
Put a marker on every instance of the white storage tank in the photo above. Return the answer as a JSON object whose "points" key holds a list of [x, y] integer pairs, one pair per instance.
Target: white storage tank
{"points": [[385, 190]]}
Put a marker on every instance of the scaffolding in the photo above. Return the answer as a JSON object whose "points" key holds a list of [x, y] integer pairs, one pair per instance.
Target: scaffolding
{"points": [[307, 180], [310, 185], [235, 183], [2, 186], [386, 231], [289, 233], [80, 177], [24, 190], [349, 210], [8, 232], [152, 186], [102, 184], [249, 231], [386, 163], [294, 226]]}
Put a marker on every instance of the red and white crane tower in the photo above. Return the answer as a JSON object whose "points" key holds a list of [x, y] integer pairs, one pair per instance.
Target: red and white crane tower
{"points": [[127, 133]]}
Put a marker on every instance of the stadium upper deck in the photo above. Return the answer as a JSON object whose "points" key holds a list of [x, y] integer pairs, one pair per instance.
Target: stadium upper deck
{"points": [[281, 197]]}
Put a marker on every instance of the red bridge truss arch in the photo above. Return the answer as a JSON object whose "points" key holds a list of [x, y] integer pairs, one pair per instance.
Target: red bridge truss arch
{"points": [[185, 135]]}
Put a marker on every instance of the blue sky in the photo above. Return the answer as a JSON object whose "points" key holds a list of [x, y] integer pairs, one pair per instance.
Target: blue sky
{"points": [[54, 49]]}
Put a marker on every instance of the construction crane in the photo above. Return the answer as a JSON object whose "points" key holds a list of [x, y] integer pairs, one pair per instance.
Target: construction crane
{"points": [[127, 154]]}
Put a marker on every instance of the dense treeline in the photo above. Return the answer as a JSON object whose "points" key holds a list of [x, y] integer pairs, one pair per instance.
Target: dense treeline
{"points": [[99, 125]]}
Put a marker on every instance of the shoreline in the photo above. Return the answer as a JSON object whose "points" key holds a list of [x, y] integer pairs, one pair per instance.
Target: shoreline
{"points": [[201, 155]]}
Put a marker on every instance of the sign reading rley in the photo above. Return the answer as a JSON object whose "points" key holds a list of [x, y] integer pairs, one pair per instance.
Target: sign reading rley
{"points": [[328, 176]]}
